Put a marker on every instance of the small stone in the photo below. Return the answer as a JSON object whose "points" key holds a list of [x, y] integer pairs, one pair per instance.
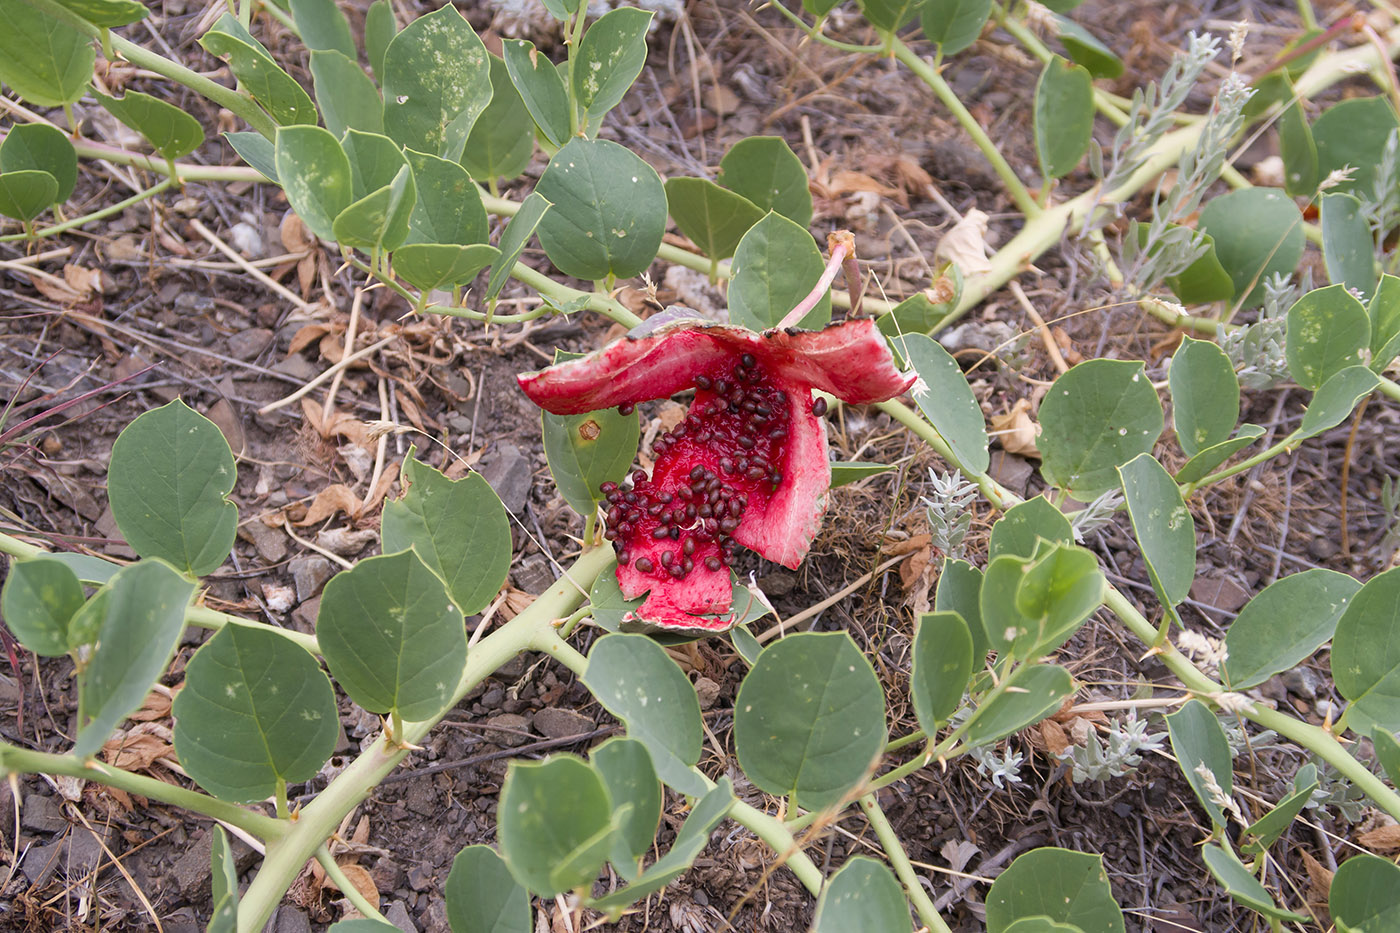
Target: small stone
{"points": [[508, 472], [42, 814], [296, 366], [493, 697], [229, 424], [270, 543], [700, 898], [1323, 547], [533, 575], [1011, 471], [304, 615], [1219, 593], [249, 344], [40, 862], [1302, 682], [191, 871], [420, 878], [511, 671], [397, 914], [434, 919], [458, 423], [552, 722], [290, 919], [309, 574], [518, 725], [707, 690]]}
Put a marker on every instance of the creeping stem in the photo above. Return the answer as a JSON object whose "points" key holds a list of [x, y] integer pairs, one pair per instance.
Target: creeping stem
{"points": [[923, 905]]}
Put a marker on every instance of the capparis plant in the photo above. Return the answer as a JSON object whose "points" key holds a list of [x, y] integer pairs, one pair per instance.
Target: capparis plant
{"points": [[396, 154]]}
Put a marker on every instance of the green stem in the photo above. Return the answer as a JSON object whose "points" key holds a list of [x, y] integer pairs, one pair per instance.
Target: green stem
{"points": [[926, 73], [323, 815], [240, 104], [998, 495], [894, 851], [1172, 317], [15, 760], [1388, 389], [280, 797], [561, 294], [1245, 464], [346, 886], [95, 215]]}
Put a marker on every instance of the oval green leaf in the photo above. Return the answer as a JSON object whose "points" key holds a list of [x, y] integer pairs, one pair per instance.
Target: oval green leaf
{"points": [[1031, 693], [347, 97], [554, 823], [1198, 739], [1094, 419], [107, 14], [168, 484], [809, 719], [540, 87], [775, 266], [437, 81], [483, 896], [635, 680], [1165, 531], [1365, 894], [43, 59], [1288, 621], [1242, 886], [170, 131], [1067, 887], [1025, 525], [947, 401], [610, 57], [1347, 246], [1257, 232], [1327, 331], [862, 895], [940, 666], [256, 713], [959, 588], [391, 637], [1335, 399], [449, 208], [584, 451], [1054, 596], [1384, 312], [1265, 831], [767, 172], [43, 148], [954, 24], [1354, 133], [430, 266], [715, 218], [1210, 458], [39, 600], [501, 143], [314, 171], [258, 73], [609, 211], [1063, 116], [1366, 655], [25, 195], [625, 767], [223, 884], [322, 26], [1205, 395], [1085, 48], [513, 240], [143, 616]]}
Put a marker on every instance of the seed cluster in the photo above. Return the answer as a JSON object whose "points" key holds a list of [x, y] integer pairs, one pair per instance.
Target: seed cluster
{"points": [[727, 453]]}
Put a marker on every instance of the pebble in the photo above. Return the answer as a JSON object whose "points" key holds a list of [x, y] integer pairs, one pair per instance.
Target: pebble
{"points": [[518, 725], [1301, 681], [556, 723], [397, 914], [493, 698], [309, 574], [508, 472], [250, 343]]}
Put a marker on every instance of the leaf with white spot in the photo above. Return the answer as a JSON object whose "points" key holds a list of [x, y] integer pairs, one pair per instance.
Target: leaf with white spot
{"points": [[610, 57], [391, 637], [437, 81], [554, 823], [863, 895], [256, 709], [1165, 531]]}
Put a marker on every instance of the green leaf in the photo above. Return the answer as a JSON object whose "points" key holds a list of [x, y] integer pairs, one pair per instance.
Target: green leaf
{"points": [[1084, 48], [853, 470], [562, 9], [257, 150], [809, 719], [38, 602], [1205, 395], [610, 57], [25, 195], [375, 161], [379, 220], [1094, 419], [430, 266], [1265, 831], [86, 623], [514, 239], [1387, 753], [862, 895], [93, 571], [501, 143], [43, 148], [584, 451], [380, 29], [347, 97], [1163, 526], [889, 15], [1257, 232], [483, 896], [256, 713], [1383, 310], [168, 484], [107, 14], [1021, 529], [1297, 148], [1365, 895], [635, 680], [437, 81], [1067, 887], [1354, 133], [609, 211], [1041, 924], [715, 218], [323, 27], [625, 767], [1346, 244], [954, 24], [1197, 739], [1335, 399], [1205, 280], [1288, 621], [919, 313], [767, 172], [314, 171], [948, 404], [1031, 693], [607, 605], [143, 618], [170, 131], [1327, 331], [1054, 596], [554, 824], [775, 266], [258, 73], [1210, 458], [691, 840], [449, 208], [959, 589], [360, 924], [1063, 116], [224, 884], [458, 528], [940, 667], [43, 59], [391, 637], [1366, 655], [540, 87], [1242, 886]]}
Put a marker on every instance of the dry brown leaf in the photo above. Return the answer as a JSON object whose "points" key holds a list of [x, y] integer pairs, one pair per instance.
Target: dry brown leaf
{"points": [[156, 706], [1016, 430], [295, 237], [913, 570], [1382, 840], [1319, 878], [339, 422], [907, 546], [965, 244], [336, 497], [136, 752], [306, 335], [1054, 736], [56, 290], [358, 876]]}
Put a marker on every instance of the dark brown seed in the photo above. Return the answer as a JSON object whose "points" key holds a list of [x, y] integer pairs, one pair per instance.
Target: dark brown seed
{"points": [[685, 492], [728, 525], [634, 516], [697, 472], [610, 534], [748, 360], [746, 442], [688, 547], [687, 565], [713, 563], [655, 509], [721, 387], [626, 408], [819, 407], [622, 558], [666, 558], [777, 434], [675, 532], [665, 497], [608, 488], [755, 472], [629, 497], [776, 478], [703, 382], [645, 565], [638, 476], [678, 572], [690, 511], [726, 465], [660, 531]]}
